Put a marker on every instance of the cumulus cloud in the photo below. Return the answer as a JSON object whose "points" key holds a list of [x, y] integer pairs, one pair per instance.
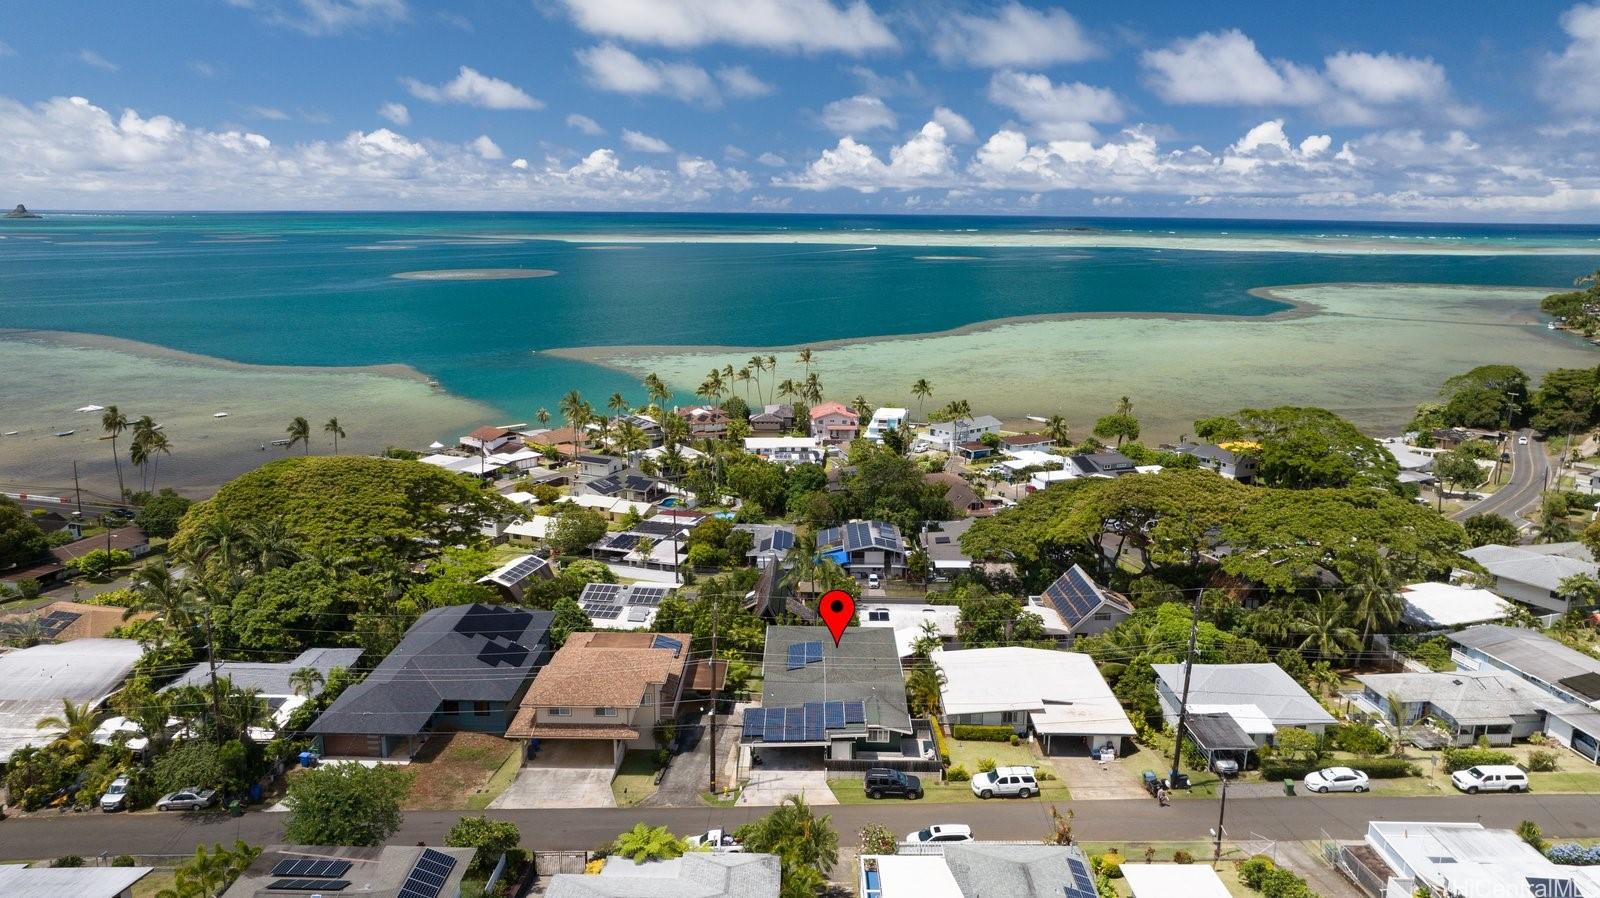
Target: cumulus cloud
{"points": [[611, 68], [396, 113], [857, 115], [324, 17], [1055, 110], [71, 153], [925, 160], [644, 143], [955, 126], [772, 160], [486, 148], [1015, 35], [95, 60], [741, 82], [789, 25], [1570, 80], [473, 88], [585, 124]]}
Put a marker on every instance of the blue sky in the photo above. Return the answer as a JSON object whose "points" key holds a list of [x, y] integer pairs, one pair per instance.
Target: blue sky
{"points": [[1165, 108]]}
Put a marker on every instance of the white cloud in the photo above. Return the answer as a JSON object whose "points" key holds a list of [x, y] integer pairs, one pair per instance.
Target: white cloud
{"points": [[486, 148], [955, 125], [1570, 80], [611, 68], [1385, 78], [923, 161], [1055, 110], [879, 85], [772, 160], [323, 17], [267, 112], [519, 164], [857, 115], [69, 153], [95, 60], [473, 88], [741, 82], [1315, 145], [455, 20], [736, 154], [791, 25], [396, 113], [644, 143], [1015, 36], [585, 124], [5, 50]]}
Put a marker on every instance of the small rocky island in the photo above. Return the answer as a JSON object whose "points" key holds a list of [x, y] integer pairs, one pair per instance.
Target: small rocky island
{"points": [[22, 212]]}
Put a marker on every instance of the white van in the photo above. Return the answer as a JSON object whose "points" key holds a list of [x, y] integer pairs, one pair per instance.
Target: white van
{"points": [[1007, 781], [1490, 778]]}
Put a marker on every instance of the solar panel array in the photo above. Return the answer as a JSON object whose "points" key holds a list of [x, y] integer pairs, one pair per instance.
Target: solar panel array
{"points": [[503, 651], [803, 653], [428, 877], [601, 601], [809, 722], [648, 596], [1073, 595], [493, 622], [308, 885], [309, 866], [667, 642], [520, 571], [657, 528], [1082, 885]]}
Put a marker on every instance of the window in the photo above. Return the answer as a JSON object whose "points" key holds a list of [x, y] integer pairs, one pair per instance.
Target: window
{"points": [[447, 707], [1102, 615], [605, 712], [480, 709], [1008, 717], [560, 712]]}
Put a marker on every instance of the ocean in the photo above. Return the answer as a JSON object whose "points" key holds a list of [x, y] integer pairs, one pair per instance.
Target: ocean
{"points": [[631, 293]]}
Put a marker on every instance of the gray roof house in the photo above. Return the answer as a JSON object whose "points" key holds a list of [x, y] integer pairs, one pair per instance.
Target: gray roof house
{"points": [[846, 697], [1109, 463], [864, 547], [942, 541], [34, 681], [695, 875], [1569, 677], [1226, 462], [979, 870], [273, 680], [770, 543], [464, 667], [1495, 706], [510, 579], [1084, 606], [1531, 577], [388, 871], [1260, 698]]}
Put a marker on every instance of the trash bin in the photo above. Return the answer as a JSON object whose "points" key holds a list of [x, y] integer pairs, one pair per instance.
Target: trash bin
{"points": [[1288, 787], [308, 759], [254, 793], [235, 809]]}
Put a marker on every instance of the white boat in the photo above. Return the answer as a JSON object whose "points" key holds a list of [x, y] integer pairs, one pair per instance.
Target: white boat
{"points": [[12, 433], [280, 442], [91, 408], [1038, 420], [66, 433], [220, 415]]}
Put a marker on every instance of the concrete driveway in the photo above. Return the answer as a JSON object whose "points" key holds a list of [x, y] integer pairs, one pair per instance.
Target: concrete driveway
{"points": [[1090, 780], [785, 772], [566, 774]]}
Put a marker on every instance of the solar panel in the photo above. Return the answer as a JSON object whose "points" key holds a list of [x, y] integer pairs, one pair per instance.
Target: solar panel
{"points": [[667, 642], [814, 721], [796, 657], [601, 612], [497, 652], [309, 866], [772, 729], [600, 593], [855, 712], [308, 885], [428, 877], [794, 726], [1073, 595], [648, 596], [1082, 885], [754, 720], [833, 715], [493, 621], [813, 651]]}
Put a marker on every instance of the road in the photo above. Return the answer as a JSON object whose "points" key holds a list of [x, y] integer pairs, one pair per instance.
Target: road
{"points": [[1301, 818], [1529, 467]]}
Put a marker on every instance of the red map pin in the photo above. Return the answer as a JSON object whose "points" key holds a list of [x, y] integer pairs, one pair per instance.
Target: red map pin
{"points": [[838, 610]]}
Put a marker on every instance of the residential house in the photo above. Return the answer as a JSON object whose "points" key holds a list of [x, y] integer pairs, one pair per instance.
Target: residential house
{"points": [[593, 466], [843, 702], [704, 421], [614, 509], [35, 681], [616, 606], [1447, 438], [1174, 880], [1257, 699], [694, 875], [518, 461], [941, 541], [65, 621], [772, 420], [786, 450], [773, 598], [53, 568], [1026, 442], [979, 870], [386, 871], [274, 682], [1082, 607], [487, 439], [564, 441], [510, 579], [974, 450], [462, 667], [1108, 463], [945, 436], [865, 547], [1226, 462], [1059, 698], [660, 543], [1533, 578], [457, 463], [606, 691], [834, 422], [885, 420], [654, 433], [22, 881], [1493, 706], [770, 543], [633, 485], [1461, 860], [961, 495], [910, 623], [1446, 606], [1568, 676], [530, 532]]}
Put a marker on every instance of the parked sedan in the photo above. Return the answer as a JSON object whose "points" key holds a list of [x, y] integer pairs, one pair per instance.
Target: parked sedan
{"points": [[1336, 779], [187, 800]]}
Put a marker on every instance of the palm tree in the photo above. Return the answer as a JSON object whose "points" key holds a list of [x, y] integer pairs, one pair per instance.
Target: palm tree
{"points": [[156, 445], [572, 408], [756, 365], [543, 416], [114, 422], [923, 391], [813, 388], [271, 544], [333, 427], [1056, 429], [1124, 406], [618, 404], [630, 438], [649, 843], [1325, 678], [1326, 633], [220, 544], [657, 390], [155, 589], [139, 454], [743, 375], [861, 407], [1372, 596], [306, 681], [804, 358], [924, 685], [77, 720], [789, 389], [299, 431]]}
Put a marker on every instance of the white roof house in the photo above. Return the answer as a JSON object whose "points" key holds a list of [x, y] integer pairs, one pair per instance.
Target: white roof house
{"points": [[785, 450], [459, 464], [907, 620], [609, 506], [1444, 605], [695, 875], [34, 682], [20, 881], [1059, 696], [530, 530], [1174, 881], [1467, 861], [883, 420]]}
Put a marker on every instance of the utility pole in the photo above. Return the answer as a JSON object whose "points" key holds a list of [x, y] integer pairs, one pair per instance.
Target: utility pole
{"points": [[77, 491], [1216, 856], [711, 721], [1188, 671]]}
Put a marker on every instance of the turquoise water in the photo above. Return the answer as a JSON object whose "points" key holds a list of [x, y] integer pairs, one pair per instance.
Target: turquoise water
{"points": [[317, 289]]}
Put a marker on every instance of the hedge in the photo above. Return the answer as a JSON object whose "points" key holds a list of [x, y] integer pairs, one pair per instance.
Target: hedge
{"points": [[1260, 874], [938, 739], [976, 733], [1462, 758], [1374, 768]]}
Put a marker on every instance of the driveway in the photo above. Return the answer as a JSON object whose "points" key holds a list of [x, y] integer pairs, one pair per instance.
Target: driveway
{"points": [[566, 774], [689, 773], [1089, 780], [785, 772]]}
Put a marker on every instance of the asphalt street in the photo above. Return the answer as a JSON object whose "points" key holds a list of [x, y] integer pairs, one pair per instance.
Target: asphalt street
{"points": [[1529, 467], [1300, 818]]}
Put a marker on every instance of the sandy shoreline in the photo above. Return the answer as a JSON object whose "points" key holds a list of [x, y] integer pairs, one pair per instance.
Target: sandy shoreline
{"points": [[1345, 246]]}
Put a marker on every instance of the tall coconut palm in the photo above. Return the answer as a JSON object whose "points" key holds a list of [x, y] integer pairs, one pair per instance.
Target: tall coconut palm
{"points": [[271, 544], [299, 431], [1325, 629], [744, 376], [305, 681], [789, 389], [572, 408], [76, 720], [157, 446], [1371, 592], [813, 388], [114, 422], [804, 357], [657, 390], [772, 365], [542, 416], [139, 455], [156, 589], [221, 545], [338, 432], [1056, 429], [618, 404], [923, 391]]}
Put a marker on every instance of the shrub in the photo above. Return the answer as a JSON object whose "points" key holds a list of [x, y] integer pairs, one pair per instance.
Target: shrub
{"points": [[1462, 758], [958, 774], [975, 733], [1538, 739], [1253, 870], [1110, 864], [1530, 832], [1573, 854], [1015, 739], [68, 860], [1541, 761], [192, 762], [1375, 768], [346, 805], [1041, 774], [1182, 857], [878, 839], [1361, 739], [985, 765], [124, 860], [938, 739], [491, 838]]}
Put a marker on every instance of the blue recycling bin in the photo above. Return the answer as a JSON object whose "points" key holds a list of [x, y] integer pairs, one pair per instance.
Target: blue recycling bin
{"points": [[308, 759], [255, 793]]}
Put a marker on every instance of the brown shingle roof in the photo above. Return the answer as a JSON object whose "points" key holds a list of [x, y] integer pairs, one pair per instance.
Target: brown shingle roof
{"points": [[526, 726], [606, 670], [488, 434]]}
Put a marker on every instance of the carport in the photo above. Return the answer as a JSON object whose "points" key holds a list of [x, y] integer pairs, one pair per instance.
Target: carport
{"points": [[784, 772], [1220, 736]]}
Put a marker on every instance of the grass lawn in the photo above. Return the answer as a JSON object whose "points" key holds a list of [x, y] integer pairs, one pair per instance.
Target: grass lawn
{"points": [[455, 771], [1572, 774], [158, 879], [966, 753], [635, 780]]}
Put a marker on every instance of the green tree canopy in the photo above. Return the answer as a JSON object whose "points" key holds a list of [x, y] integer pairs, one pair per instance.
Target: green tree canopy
{"points": [[491, 838], [1484, 529], [1488, 397], [574, 528], [990, 619], [806, 845], [1307, 448], [161, 513], [291, 608], [346, 804], [886, 486], [21, 540], [1565, 402]]}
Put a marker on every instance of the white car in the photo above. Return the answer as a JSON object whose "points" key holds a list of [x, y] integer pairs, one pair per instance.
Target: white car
{"points": [[873, 581], [1006, 781], [720, 841], [942, 833], [1336, 779], [116, 797], [1522, 441]]}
